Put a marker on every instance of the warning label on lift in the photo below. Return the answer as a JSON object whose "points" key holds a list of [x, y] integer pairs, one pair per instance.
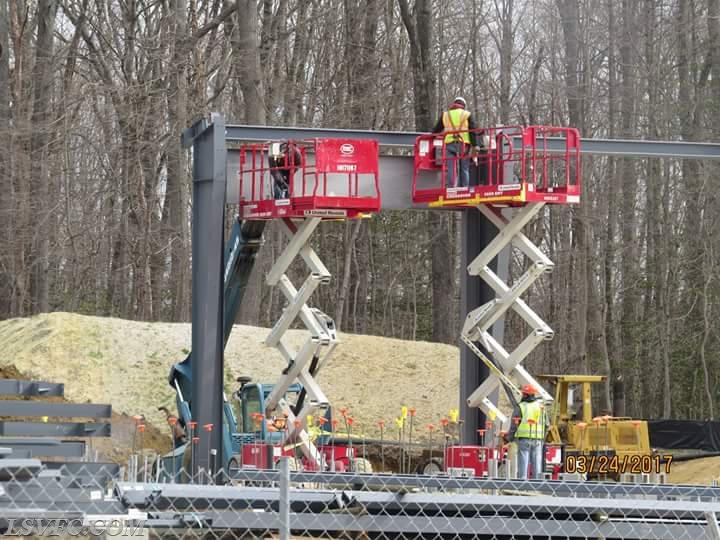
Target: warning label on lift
{"points": [[323, 212]]}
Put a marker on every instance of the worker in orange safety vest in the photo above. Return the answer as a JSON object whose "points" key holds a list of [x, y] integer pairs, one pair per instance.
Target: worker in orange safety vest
{"points": [[529, 431]]}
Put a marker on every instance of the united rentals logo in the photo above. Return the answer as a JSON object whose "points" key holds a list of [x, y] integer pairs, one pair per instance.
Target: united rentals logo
{"points": [[323, 212], [347, 149]]}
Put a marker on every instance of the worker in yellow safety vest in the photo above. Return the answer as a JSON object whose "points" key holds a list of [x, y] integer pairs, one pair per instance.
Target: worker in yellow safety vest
{"points": [[459, 124], [529, 428]]}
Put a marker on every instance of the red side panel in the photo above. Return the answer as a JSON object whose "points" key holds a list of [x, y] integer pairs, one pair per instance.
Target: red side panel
{"points": [[346, 156], [257, 455]]}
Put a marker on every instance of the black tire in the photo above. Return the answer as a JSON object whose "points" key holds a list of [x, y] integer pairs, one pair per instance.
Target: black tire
{"points": [[430, 467]]}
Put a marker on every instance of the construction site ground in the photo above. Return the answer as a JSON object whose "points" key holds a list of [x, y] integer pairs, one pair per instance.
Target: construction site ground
{"points": [[126, 364]]}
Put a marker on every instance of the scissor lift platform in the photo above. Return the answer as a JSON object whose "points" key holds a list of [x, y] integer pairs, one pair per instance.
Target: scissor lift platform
{"points": [[523, 167], [326, 179], [501, 173]]}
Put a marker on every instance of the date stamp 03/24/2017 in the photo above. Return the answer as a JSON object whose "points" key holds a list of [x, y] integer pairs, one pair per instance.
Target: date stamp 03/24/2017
{"points": [[614, 464]]}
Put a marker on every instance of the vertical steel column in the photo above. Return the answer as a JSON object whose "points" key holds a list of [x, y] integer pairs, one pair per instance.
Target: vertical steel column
{"points": [[209, 179], [476, 233]]}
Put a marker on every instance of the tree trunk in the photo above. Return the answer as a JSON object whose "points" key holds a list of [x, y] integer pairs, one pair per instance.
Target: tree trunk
{"points": [[506, 50], [354, 231], [6, 201], [582, 274], [419, 27], [177, 175], [628, 214], [247, 69]]}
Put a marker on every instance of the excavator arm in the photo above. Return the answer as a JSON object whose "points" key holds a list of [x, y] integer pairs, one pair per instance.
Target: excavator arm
{"points": [[240, 252]]}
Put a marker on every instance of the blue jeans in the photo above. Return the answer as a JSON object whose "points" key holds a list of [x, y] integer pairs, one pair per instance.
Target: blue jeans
{"points": [[457, 150], [530, 451]]}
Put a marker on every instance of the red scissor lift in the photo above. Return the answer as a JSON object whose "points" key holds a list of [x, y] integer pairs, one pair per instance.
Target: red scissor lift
{"points": [[334, 178], [517, 165], [321, 179], [520, 167]]}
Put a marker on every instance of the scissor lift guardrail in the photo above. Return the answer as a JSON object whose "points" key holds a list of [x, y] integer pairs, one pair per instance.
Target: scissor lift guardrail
{"points": [[522, 178]]}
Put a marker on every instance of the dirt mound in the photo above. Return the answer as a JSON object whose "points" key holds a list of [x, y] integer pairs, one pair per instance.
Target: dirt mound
{"points": [[697, 471], [10, 372], [126, 364]]}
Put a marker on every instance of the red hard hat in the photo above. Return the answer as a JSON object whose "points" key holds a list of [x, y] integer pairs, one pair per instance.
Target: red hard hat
{"points": [[528, 389]]}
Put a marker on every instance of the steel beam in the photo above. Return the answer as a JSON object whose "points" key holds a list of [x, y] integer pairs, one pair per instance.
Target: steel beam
{"points": [[161, 497], [46, 447], [19, 469], [154, 497], [421, 527], [396, 171], [445, 483], [65, 510], [49, 495], [80, 469], [44, 408], [208, 239], [59, 429], [14, 387], [589, 146]]}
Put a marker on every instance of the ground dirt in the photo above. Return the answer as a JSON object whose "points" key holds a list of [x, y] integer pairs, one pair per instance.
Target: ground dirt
{"points": [[126, 364], [697, 471]]}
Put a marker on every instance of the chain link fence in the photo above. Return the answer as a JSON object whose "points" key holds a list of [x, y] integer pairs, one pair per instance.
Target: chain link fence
{"points": [[285, 503]]}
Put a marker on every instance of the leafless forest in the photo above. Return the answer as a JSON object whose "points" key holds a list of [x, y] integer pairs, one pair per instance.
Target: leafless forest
{"points": [[95, 205]]}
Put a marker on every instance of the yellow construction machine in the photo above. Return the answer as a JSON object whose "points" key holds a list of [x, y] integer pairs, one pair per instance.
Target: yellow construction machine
{"points": [[595, 445]]}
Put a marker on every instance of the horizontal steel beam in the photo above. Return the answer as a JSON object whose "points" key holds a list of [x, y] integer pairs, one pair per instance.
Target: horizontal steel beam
{"points": [[35, 513], [59, 429], [82, 469], [425, 526], [200, 498], [396, 171], [45, 447], [18, 469], [604, 147], [65, 410], [62, 510], [445, 483], [48, 495], [14, 387]]}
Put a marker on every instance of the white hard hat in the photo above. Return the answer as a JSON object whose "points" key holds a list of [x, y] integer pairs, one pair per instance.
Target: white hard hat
{"points": [[461, 100]]}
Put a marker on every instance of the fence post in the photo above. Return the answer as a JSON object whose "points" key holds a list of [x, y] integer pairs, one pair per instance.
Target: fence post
{"points": [[712, 524], [284, 517]]}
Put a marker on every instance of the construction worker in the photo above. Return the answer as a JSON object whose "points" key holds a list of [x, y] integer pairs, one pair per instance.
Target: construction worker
{"points": [[458, 145], [282, 165], [274, 424], [529, 429]]}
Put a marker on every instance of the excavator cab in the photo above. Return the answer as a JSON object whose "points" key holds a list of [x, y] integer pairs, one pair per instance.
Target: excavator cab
{"points": [[253, 424]]}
